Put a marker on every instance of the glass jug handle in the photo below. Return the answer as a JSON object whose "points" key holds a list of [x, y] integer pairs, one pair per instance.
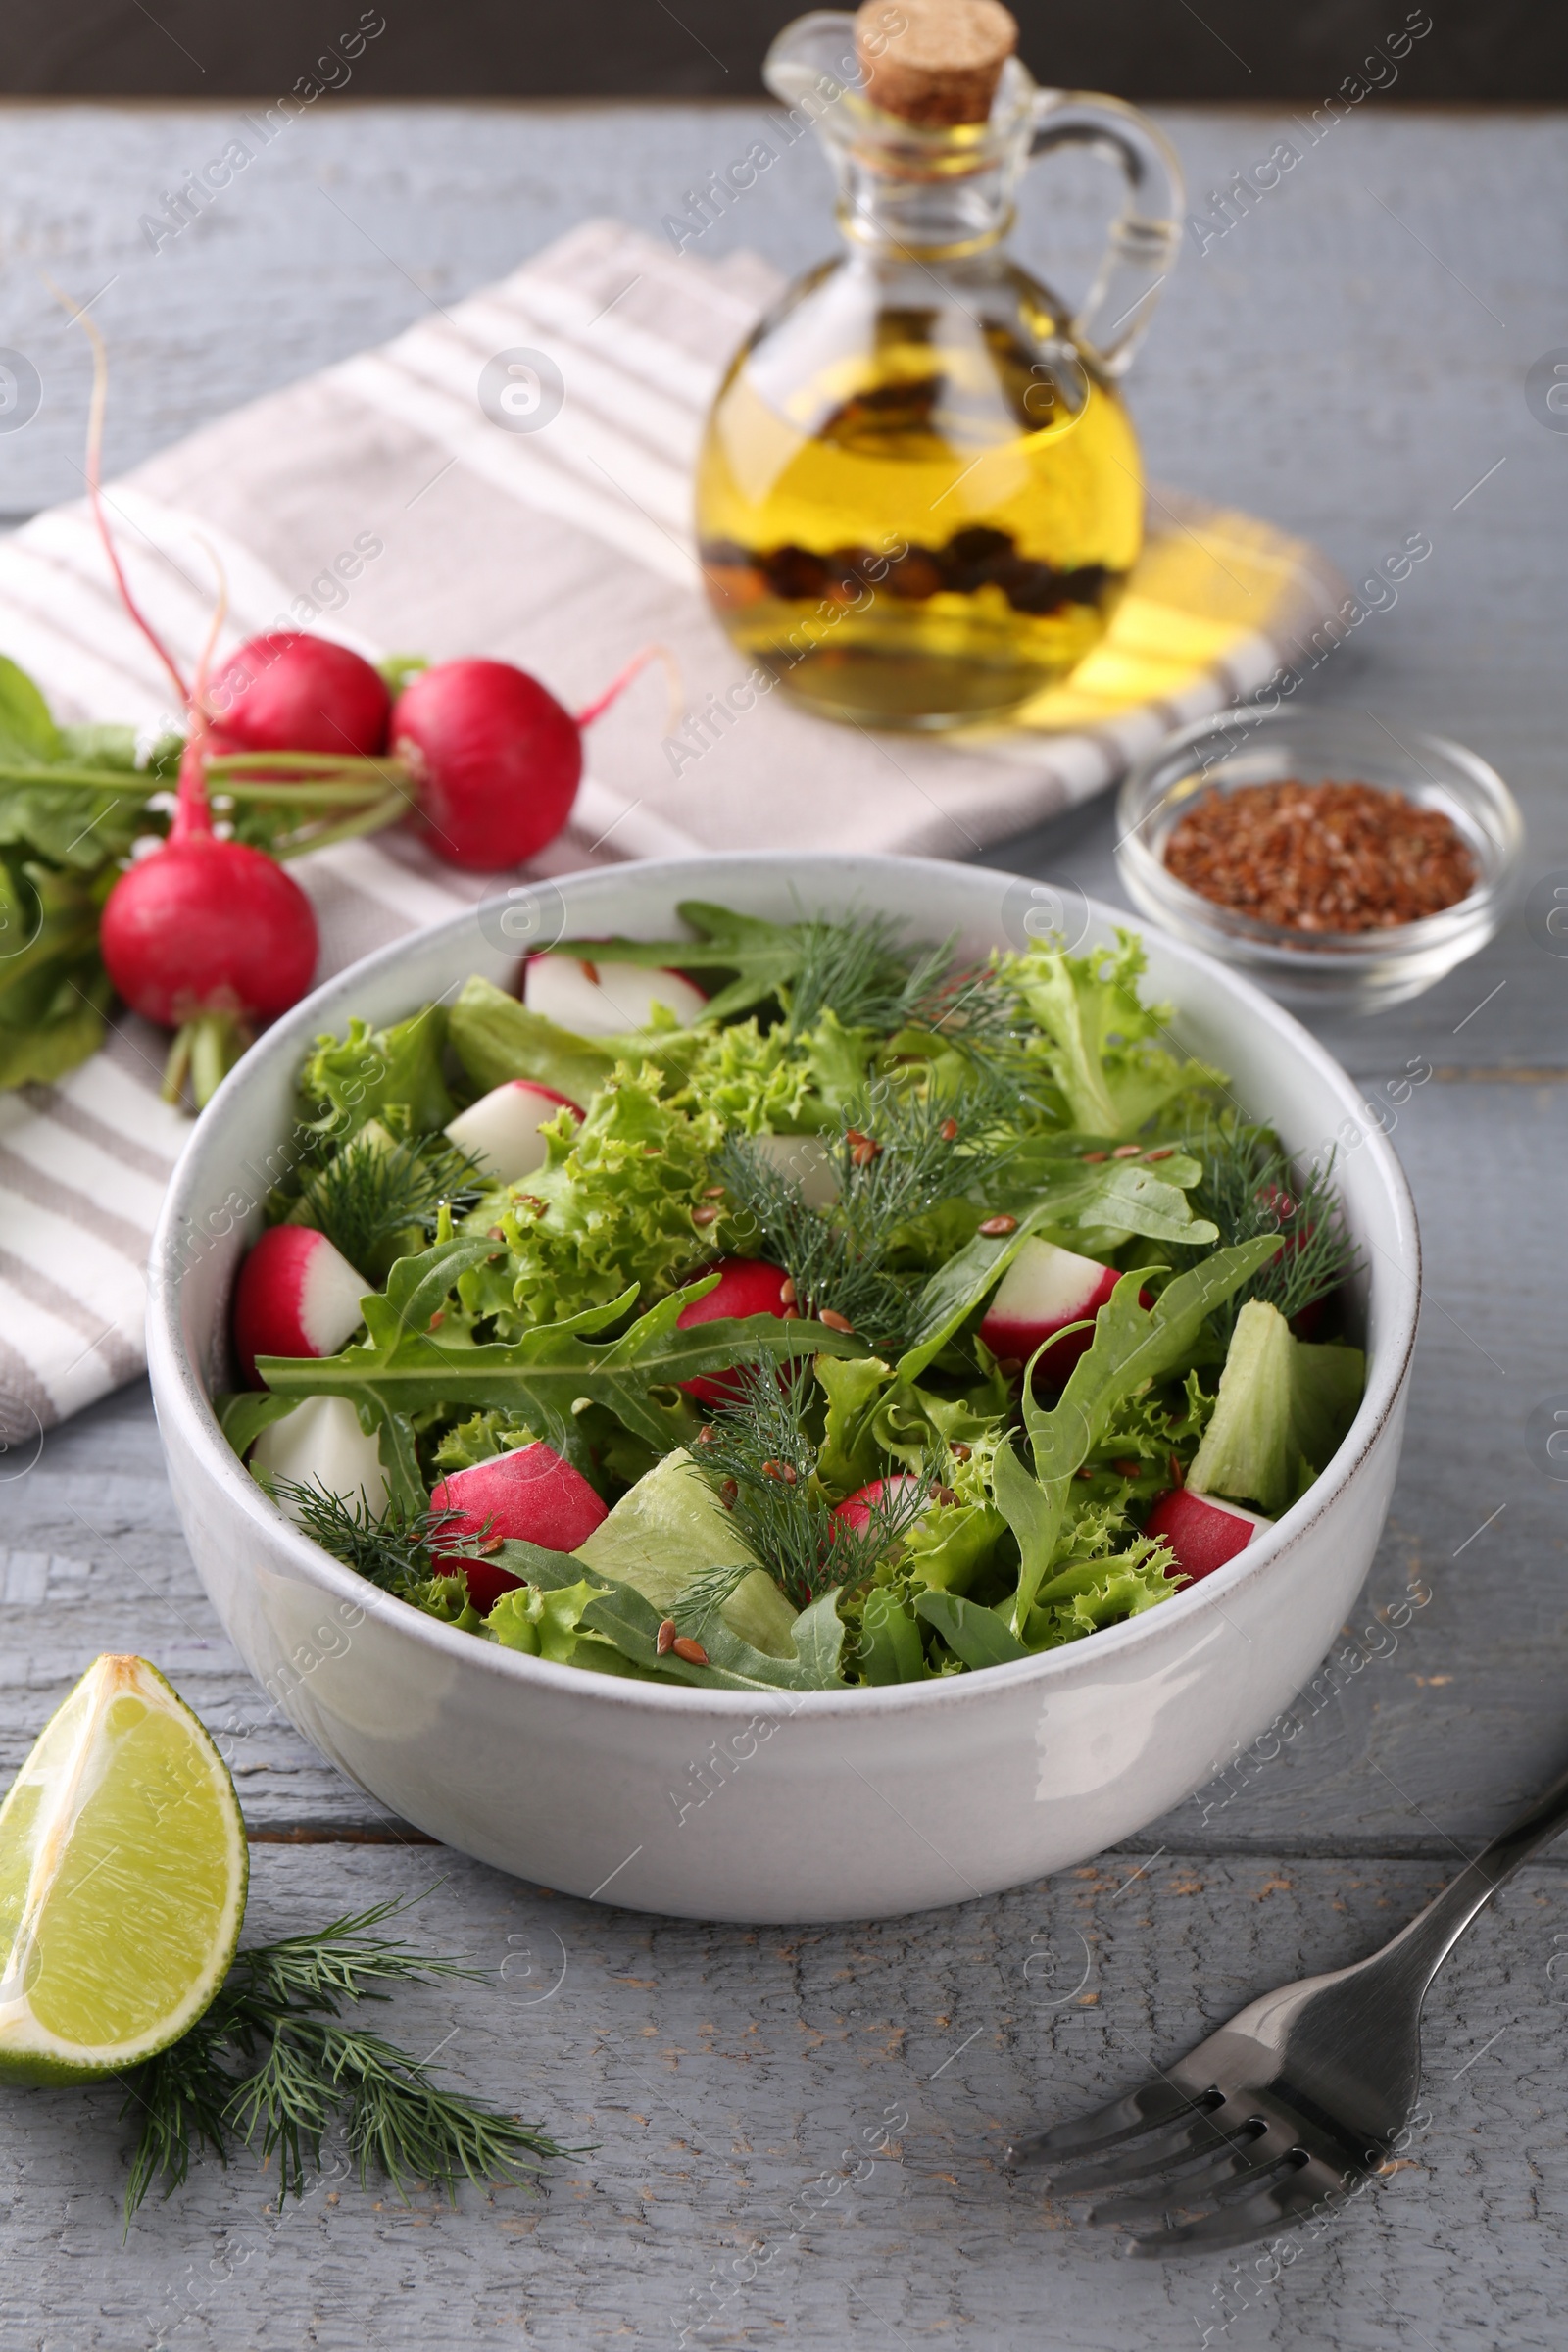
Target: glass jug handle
{"points": [[1145, 233]]}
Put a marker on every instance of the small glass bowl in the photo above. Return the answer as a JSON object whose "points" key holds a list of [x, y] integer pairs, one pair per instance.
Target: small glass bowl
{"points": [[1324, 971]]}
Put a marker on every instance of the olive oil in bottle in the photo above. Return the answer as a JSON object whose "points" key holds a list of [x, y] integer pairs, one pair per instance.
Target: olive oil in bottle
{"points": [[919, 494]]}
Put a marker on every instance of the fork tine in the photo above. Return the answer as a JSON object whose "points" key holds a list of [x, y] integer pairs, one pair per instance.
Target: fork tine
{"points": [[1226, 2177], [1140, 2110], [1194, 2137], [1277, 2207]]}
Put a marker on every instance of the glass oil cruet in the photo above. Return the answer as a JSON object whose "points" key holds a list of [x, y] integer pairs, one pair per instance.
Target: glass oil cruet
{"points": [[920, 493]]}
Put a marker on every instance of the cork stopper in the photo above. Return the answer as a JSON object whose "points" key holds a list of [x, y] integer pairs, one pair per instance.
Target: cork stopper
{"points": [[934, 62]]}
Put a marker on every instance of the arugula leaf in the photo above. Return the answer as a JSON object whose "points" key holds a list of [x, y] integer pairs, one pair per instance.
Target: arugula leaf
{"points": [[764, 957], [632, 1623], [977, 1636], [1131, 1344], [819, 1642], [891, 1650], [402, 1368], [1121, 1193], [243, 1415]]}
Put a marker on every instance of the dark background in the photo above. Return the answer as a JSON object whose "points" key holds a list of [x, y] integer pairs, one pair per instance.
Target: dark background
{"points": [[1479, 50]]}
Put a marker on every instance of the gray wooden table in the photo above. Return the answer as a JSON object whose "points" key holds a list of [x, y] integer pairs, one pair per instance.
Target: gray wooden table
{"points": [[1350, 359]]}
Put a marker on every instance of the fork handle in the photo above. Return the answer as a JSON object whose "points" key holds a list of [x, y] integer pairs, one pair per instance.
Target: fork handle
{"points": [[1425, 1943]]}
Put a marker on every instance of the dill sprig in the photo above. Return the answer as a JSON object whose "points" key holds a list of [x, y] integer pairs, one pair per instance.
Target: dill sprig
{"points": [[854, 969], [974, 1007], [1248, 1188], [398, 1549], [758, 1457], [270, 2063], [371, 1191], [901, 1153]]}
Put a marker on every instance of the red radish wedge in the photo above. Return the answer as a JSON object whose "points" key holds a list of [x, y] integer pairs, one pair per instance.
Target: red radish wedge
{"points": [[1045, 1289], [1202, 1531], [746, 1286], [602, 1000], [287, 692], [321, 1444], [883, 1492], [494, 758], [530, 1495], [500, 1131], [296, 1296]]}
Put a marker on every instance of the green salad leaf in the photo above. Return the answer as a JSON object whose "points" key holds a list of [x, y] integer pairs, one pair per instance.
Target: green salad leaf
{"points": [[497, 1039], [348, 1080], [615, 1206], [1283, 1409], [1098, 1038]]}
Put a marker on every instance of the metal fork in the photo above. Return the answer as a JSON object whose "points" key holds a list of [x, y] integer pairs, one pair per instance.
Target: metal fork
{"points": [[1293, 2105]]}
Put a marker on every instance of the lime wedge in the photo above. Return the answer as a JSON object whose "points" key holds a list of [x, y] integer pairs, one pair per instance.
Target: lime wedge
{"points": [[123, 1877]]}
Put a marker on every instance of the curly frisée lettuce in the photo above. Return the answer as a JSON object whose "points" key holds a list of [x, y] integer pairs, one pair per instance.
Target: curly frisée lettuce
{"points": [[713, 1370]]}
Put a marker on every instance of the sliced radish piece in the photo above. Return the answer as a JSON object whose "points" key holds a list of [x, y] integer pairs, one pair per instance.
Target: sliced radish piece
{"points": [[605, 1000], [296, 1296], [1201, 1530], [1044, 1290], [747, 1285], [321, 1444], [856, 1510], [805, 1160], [500, 1131], [530, 1495]]}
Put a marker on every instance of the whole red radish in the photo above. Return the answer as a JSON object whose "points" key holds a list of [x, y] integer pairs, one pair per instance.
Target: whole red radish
{"points": [[204, 937], [1201, 1530], [494, 759], [296, 1296], [746, 1286], [530, 1495], [288, 692]]}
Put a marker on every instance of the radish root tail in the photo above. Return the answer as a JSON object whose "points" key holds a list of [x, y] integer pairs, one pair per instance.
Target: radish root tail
{"points": [[633, 669], [94, 473]]}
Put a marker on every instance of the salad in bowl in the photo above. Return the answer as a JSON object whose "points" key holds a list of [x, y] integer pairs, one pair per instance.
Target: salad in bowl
{"points": [[805, 1408], [789, 1304]]}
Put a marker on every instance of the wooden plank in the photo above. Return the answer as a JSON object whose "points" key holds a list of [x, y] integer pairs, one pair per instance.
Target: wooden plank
{"points": [[795, 2135]]}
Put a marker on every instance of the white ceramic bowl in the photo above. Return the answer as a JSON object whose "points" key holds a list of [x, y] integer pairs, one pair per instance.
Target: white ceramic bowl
{"points": [[837, 1806]]}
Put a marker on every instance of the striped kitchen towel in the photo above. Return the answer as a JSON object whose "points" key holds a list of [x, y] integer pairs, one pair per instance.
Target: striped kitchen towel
{"points": [[382, 504]]}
